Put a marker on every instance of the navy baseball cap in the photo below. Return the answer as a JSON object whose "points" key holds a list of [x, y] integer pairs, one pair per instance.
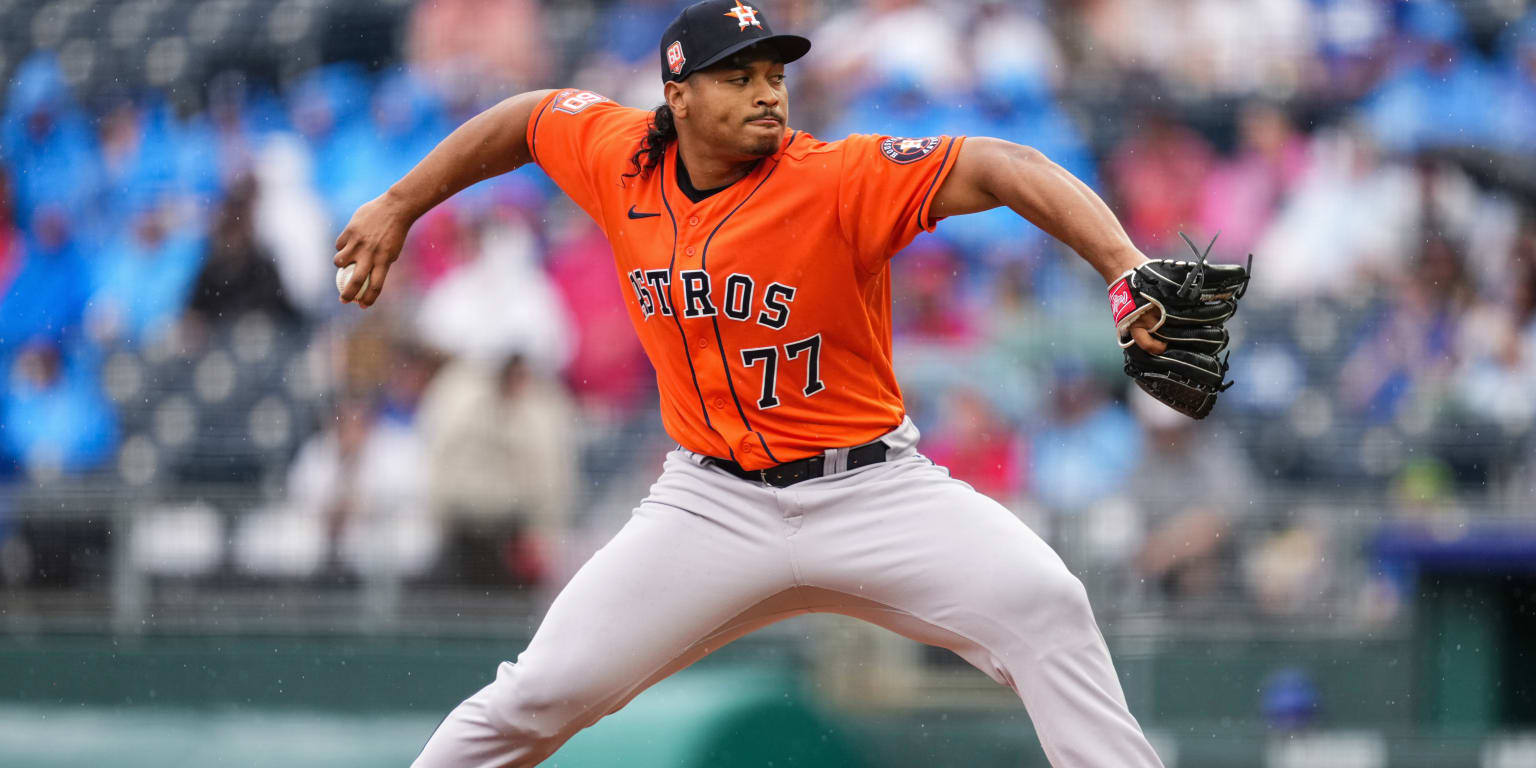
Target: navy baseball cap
{"points": [[706, 33]]}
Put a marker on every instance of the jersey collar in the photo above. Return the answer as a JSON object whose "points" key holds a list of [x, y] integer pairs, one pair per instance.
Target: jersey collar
{"points": [[679, 177]]}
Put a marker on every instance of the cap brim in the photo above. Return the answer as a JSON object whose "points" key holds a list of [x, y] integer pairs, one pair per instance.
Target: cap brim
{"points": [[790, 48]]}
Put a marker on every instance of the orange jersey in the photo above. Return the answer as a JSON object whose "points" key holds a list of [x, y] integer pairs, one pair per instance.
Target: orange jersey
{"points": [[765, 308]]}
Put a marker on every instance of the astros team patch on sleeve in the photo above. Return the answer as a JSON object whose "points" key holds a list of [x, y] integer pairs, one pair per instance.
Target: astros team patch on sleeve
{"points": [[903, 151], [573, 101]]}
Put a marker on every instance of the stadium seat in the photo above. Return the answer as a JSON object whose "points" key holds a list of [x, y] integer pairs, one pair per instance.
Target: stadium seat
{"points": [[183, 541], [276, 543]]}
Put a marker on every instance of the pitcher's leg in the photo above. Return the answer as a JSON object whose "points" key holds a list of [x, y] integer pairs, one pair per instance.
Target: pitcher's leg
{"points": [[672, 585], [949, 566]]}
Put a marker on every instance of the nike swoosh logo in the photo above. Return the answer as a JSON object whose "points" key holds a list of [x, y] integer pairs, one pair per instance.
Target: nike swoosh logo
{"points": [[634, 215]]}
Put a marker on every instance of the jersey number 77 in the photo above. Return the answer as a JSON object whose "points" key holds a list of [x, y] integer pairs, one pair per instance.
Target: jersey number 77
{"points": [[769, 357]]}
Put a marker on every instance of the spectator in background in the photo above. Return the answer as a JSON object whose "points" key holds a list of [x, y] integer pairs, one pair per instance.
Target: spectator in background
{"points": [[892, 40], [55, 419], [1156, 173], [500, 302], [138, 157], [438, 244], [1018, 106], [292, 224], [1354, 40], [608, 371], [1240, 194], [489, 48], [48, 146], [412, 369], [1186, 553], [1496, 377], [621, 61], [1086, 446], [47, 297], [356, 505], [899, 104], [10, 238], [1290, 570], [217, 148], [1121, 36], [1011, 40], [324, 105], [927, 307], [405, 123], [1353, 213], [1240, 47], [501, 466], [1411, 344], [630, 28], [141, 279], [238, 275], [1200, 47], [1514, 117], [978, 446], [1441, 96]]}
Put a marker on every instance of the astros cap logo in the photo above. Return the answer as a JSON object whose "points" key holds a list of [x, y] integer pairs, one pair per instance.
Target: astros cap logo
{"points": [[745, 14], [675, 56]]}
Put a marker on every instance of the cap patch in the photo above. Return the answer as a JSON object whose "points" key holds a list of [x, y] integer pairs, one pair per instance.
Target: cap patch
{"points": [[675, 58], [745, 15], [571, 102], [903, 151]]}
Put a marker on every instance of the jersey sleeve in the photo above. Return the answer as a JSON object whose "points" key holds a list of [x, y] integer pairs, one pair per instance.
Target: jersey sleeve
{"points": [[584, 142], [886, 190]]}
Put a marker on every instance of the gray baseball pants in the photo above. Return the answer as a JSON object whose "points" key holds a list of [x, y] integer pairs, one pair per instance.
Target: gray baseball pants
{"points": [[708, 557]]}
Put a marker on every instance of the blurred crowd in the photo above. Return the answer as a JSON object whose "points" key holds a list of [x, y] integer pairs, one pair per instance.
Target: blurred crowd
{"points": [[169, 324]]}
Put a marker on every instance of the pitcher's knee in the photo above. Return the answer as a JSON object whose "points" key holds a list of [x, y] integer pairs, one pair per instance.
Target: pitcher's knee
{"points": [[533, 710], [1057, 599]]}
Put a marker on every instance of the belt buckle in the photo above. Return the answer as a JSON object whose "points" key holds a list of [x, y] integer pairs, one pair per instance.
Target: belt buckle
{"points": [[763, 473]]}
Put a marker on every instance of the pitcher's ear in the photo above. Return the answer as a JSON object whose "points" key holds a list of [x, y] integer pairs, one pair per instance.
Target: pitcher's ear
{"points": [[676, 95]]}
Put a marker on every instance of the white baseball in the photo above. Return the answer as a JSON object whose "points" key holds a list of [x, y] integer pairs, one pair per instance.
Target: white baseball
{"points": [[344, 276]]}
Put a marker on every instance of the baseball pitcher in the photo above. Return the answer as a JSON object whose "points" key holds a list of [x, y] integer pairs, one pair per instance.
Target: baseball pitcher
{"points": [[754, 261]]}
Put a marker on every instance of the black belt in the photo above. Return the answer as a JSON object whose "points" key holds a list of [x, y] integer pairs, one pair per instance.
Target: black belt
{"points": [[789, 473]]}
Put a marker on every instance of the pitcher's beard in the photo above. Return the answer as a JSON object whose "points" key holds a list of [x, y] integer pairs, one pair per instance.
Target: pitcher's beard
{"points": [[763, 146]]}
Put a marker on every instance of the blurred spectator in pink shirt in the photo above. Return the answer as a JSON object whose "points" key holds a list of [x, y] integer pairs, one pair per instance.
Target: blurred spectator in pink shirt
{"points": [[927, 305], [977, 445], [1242, 193], [607, 370], [10, 237], [1157, 172]]}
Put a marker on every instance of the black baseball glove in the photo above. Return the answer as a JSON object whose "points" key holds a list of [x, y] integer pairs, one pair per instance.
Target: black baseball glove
{"points": [[1195, 300]]}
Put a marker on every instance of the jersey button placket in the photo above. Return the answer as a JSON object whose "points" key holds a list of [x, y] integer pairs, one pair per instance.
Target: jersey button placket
{"points": [[693, 221], [719, 403], [688, 250]]}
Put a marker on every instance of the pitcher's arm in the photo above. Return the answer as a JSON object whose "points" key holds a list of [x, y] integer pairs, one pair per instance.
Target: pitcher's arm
{"points": [[993, 172]]}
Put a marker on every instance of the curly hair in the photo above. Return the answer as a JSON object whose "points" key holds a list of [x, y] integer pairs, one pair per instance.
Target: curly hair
{"points": [[660, 132]]}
